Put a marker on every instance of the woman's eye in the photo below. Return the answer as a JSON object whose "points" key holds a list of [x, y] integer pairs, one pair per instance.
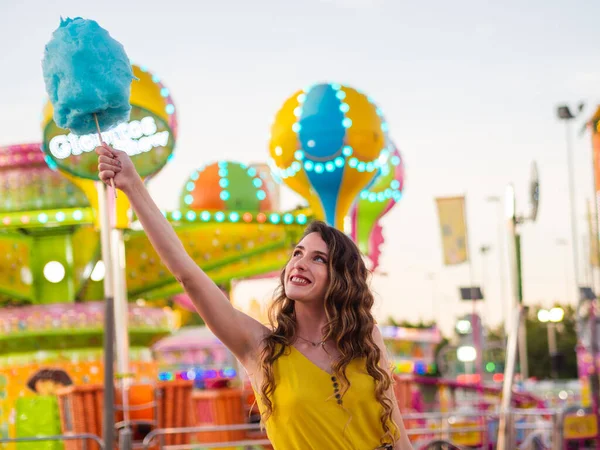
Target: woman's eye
{"points": [[321, 259], [296, 253]]}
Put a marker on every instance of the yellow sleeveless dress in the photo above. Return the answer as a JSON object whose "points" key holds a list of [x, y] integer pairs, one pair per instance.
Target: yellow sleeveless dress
{"points": [[308, 416]]}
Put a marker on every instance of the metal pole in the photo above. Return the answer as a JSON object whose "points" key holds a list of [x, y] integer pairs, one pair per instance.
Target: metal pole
{"points": [[594, 376], [514, 245], [121, 333], [557, 430], [505, 304], [509, 373], [574, 233], [552, 348], [484, 249], [523, 329], [552, 337], [121, 304], [109, 327], [474, 323]]}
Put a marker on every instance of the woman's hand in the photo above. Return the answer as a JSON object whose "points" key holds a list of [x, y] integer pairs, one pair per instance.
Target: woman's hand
{"points": [[117, 165]]}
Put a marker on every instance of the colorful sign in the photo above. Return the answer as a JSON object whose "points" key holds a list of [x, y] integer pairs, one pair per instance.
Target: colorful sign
{"points": [[580, 427], [148, 137]]}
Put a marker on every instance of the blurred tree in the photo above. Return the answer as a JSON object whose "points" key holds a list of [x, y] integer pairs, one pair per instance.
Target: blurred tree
{"points": [[538, 354]]}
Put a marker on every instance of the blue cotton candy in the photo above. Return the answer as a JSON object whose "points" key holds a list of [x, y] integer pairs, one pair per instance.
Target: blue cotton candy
{"points": [[86, 71]]}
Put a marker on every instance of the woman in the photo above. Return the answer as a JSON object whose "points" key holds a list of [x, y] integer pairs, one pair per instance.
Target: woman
{"points": [[320, 373]]}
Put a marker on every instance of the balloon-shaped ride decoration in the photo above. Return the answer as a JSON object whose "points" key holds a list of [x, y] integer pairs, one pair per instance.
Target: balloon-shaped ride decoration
{"points": [[325, 144], [226, 186], [374, 202]]}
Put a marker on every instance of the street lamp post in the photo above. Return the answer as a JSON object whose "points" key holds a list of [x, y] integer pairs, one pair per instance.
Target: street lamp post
{"points": [[513, 222], [505, 304], [469, 351], [474, 294], [467, 355], [484, 250], [564, 113], [552, 317]]}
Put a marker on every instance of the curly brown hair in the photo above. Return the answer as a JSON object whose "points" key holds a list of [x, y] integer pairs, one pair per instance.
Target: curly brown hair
{"points": [[350, 324]]}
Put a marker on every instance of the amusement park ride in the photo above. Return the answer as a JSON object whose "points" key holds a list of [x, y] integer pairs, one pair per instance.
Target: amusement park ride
{"points": [[329, 143]]}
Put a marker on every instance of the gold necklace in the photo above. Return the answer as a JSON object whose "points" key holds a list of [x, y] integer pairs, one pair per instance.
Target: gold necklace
{"points": [[314, 344]]}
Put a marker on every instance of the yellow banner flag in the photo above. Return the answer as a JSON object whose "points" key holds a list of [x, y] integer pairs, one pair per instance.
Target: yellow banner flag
{"points": [[594, 125], [453, 226]]}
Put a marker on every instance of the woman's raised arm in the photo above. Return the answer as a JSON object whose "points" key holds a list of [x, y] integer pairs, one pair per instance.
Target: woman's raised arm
{"points": [[238, 331]]}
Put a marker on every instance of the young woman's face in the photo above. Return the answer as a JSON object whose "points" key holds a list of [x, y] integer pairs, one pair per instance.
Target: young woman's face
{"points": [[306, 274]]}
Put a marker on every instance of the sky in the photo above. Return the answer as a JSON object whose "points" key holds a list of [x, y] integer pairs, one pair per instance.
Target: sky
{"points": [[469, 89]]}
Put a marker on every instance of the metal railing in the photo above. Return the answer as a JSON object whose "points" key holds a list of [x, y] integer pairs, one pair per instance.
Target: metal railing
{"points": [[443, 427], [162, 432], [523, 425], [439, 444], [84, 437], [549, 432], [446, 430]]}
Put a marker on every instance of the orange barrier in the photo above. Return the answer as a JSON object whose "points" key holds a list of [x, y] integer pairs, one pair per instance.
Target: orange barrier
{"points": [[402, 390], [175, 409], [219, 407], [141, 403], [80, 409], [166, 405]]}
